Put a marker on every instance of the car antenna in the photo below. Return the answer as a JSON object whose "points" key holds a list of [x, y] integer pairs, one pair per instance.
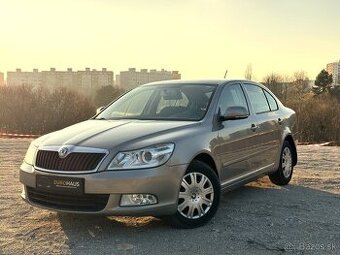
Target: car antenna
{"points": [[225, 74]]}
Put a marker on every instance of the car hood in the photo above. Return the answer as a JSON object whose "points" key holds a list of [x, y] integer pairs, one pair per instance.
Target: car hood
{"points": [[109, 134]]}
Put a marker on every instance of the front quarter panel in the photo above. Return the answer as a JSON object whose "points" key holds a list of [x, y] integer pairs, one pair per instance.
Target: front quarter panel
{"points": [[192, 143]]}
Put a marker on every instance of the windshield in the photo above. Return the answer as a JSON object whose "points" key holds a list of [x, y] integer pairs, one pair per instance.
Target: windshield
{"points": [[172, 102]]}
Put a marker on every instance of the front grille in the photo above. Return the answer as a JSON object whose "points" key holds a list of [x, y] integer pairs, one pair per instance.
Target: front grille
{"points": [[84, 203], [75, 161]]}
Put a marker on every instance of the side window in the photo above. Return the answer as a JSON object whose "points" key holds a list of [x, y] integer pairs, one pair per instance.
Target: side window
{"points": [[232, 96], [271, 100], [257, 98]]}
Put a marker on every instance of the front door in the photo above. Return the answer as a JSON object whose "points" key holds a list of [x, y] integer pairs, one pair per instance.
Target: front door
{"points": [[236, 137]]}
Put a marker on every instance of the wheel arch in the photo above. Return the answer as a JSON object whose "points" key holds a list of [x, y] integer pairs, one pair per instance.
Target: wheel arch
{"points": [[207, 159]]}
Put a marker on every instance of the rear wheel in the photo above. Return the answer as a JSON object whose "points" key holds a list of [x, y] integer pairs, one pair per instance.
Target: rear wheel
{"points": [[285, 171], [198, 197]]}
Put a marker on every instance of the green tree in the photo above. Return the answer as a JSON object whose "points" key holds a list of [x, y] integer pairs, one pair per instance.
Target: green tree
{"points": [[107, 94], [323, 82]]}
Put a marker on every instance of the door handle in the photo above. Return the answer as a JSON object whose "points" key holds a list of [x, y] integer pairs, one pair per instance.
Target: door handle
{"points": [[280, 121], [254, 127]]}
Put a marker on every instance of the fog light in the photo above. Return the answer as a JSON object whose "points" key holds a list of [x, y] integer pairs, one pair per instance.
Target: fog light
{"points": [[138, 199]]}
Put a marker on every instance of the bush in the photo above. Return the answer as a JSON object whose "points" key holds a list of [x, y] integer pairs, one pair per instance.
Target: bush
{"points": [[318, 118], [26, 110], [37, 111]]}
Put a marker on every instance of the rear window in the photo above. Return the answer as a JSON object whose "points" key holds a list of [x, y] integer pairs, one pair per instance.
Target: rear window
{"points": [[271, 100]]}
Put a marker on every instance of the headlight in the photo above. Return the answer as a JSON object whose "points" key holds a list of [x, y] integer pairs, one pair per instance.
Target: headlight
{"points": [[143, 158], [29, 157]]}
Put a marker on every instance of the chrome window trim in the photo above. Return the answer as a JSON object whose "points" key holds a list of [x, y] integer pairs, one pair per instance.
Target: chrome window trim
{"points": [[72, 148]]}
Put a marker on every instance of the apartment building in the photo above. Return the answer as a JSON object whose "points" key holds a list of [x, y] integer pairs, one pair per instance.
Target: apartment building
{"points": [[86, 81], [133, 78], [334, 69], [19, 78]]}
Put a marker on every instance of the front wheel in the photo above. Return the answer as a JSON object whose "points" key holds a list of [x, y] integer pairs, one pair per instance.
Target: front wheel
{"points": [[198, 197], [284, 173]]}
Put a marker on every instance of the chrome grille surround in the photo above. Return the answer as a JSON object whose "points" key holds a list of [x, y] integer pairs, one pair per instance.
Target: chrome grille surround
{"points": [[71, 149]]}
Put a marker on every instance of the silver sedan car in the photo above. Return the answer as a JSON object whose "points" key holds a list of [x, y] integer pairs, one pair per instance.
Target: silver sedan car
{"points": [[166, 149]]}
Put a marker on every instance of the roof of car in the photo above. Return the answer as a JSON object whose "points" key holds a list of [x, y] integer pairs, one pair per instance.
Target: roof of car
{"points": [[174, 82]]}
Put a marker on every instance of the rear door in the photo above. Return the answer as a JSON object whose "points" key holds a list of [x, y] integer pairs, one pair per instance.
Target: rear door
{"points": [[267, 131]]}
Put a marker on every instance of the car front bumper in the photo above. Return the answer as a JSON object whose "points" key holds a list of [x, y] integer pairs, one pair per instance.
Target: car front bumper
{"points": [[163, 182]]}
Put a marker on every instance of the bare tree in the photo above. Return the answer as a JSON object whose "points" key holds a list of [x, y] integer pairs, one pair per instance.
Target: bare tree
{"points": [[277, 84], [107, 94], [248, 74], [300, 83]]}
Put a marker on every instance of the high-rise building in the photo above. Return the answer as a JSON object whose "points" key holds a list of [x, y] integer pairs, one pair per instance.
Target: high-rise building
{"points": [[83, 81], [132, 78], [2, 81], [334, 69], [19, 78]]}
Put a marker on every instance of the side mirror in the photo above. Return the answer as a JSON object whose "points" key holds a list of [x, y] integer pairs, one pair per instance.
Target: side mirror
{"points": [[235, 113], [100, 109]]}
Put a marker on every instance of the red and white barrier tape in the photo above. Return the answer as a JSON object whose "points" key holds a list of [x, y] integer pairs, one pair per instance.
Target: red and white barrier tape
{"points": [[17, 135]]}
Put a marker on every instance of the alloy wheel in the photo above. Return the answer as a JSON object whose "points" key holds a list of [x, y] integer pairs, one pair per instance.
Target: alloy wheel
{"points": [[196, 195], [287, 165]]}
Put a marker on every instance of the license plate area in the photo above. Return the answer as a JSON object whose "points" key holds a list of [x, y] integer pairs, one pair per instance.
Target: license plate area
{"points": [[60, 185]]}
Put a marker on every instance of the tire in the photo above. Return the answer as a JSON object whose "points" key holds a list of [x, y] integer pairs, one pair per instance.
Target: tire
{"points": [[284, 173], [198, 197]]}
